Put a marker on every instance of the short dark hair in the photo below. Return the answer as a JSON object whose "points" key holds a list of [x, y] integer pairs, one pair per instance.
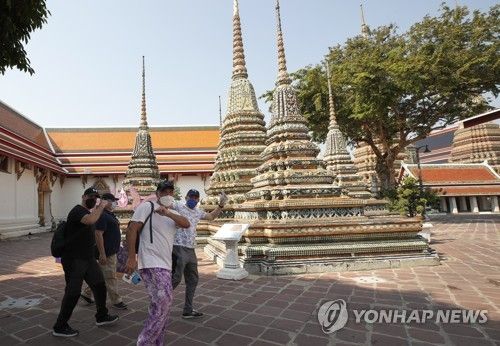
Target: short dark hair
{"points": [[193, 193], [91, 191], [165, 185]]}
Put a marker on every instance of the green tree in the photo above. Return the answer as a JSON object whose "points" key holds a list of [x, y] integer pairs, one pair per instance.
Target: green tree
{"points": [[18, 19], [408, 200], [393, 89]]}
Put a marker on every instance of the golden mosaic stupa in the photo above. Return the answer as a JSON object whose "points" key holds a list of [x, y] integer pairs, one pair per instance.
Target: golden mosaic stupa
{"points": [[299, 220]]}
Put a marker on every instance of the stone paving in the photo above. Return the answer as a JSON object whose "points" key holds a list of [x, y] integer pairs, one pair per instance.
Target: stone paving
{"points": [[277, 310]]}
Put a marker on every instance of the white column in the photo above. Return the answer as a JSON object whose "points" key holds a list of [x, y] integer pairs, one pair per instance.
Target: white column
{"points": [[473, 205], [453, 205], [463, 203], [444, 207], [494, 204]]}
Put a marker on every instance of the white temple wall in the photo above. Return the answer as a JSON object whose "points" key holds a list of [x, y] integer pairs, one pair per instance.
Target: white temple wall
{"points": [[19, 206], [65, 198], [187, 182]]}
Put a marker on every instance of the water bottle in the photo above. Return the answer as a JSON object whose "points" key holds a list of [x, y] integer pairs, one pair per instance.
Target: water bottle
{"points": [[133, 278]]}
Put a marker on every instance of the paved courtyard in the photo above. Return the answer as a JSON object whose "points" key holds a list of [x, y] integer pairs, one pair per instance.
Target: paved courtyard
{"points": [[277, 310]]}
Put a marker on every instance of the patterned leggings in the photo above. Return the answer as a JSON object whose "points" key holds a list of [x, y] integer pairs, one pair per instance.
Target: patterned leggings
{"points": [[158, 282]]}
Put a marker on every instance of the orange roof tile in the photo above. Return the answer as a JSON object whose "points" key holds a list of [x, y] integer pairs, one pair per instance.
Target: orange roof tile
{"points": [[461, 174], [123, 139]]}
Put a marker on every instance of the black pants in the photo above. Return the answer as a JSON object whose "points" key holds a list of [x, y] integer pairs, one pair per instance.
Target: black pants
{"points": [[184, 261], [75, 271]]}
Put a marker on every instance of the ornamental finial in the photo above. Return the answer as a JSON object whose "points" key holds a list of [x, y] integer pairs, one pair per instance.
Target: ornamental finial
{"points": [[283, 77], [333, 117], [365, 30], [239, 64], [144, 121]]}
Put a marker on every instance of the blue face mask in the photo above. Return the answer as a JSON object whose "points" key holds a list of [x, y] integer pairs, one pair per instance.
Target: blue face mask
{"points": [[191, 203]]}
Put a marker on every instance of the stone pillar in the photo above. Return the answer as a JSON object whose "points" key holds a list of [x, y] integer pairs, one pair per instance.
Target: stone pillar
{"points": [[453, 205], [494, 204], [463, 203], [444, 207], [473, 205]]}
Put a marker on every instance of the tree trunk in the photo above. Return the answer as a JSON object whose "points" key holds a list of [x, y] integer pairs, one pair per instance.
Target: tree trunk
{"points": [[385, 172]]}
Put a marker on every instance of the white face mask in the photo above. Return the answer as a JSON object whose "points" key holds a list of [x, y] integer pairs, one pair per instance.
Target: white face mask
{"points": [[167, 201]]}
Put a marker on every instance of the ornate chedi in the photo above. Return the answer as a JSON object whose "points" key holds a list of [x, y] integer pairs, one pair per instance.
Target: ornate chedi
{"points": [[298, 220], [337, 158], [243, 131], [477, 144], [142, 173]]}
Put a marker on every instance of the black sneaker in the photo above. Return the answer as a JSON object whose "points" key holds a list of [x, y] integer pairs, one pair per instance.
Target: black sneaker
{"points": [[66, 332], [120, 306], [192, 314], [108, 319], [88, 300]]}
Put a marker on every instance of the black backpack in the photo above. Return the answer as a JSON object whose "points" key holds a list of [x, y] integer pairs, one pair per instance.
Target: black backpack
{"points": [[57, 244], [144, 224]]}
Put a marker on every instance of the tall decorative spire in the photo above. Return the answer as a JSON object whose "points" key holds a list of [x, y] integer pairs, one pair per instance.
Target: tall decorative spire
{"points": [[337, 157], [243, 131], [144, 120], [333, 117], [283, 77], [142, 173], [239, 64], [365, 31]]}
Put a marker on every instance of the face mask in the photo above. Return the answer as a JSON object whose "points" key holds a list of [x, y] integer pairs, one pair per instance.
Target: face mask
{"points": [[191, 203], [114, 204], [90, 203], [167, 201]]}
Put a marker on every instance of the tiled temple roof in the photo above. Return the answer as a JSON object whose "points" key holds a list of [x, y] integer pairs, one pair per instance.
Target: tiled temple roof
{"points": [[24, 140], [450, 179], [76, 151], [108, 150]]}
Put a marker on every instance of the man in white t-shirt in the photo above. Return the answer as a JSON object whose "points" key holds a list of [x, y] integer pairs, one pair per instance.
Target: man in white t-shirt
{"points": [[184, 260], [159, 224]]}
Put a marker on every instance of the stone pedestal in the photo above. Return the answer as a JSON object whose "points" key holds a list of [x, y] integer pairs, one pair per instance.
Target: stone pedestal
{"points": [[232, 269], [473, 205], [231, 234]]}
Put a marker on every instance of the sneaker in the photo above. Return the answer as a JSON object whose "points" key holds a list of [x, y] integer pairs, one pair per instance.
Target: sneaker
{"points": [[120, 306], [192, 314], [65, 332], [88, 300], [108, 319]]}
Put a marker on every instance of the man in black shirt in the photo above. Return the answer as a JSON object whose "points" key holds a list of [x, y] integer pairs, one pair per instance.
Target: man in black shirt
{"points": [[108, 239], [78, 261]]}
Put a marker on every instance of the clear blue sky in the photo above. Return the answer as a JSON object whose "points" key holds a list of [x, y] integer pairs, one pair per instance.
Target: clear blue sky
{"points": [[87, 57]]}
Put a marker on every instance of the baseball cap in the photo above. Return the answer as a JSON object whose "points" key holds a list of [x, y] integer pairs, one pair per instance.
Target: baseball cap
{"points": [[165, 185], [193, 193], [91, 191], [109, 197]]}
